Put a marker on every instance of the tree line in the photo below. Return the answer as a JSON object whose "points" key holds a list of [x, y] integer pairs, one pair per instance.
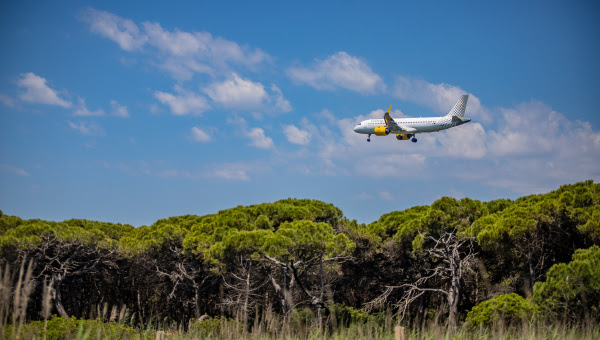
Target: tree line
{"points": [[458, 260]]}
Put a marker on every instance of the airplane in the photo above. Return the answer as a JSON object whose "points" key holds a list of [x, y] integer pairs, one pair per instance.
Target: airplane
{"points": [[407, 128]]}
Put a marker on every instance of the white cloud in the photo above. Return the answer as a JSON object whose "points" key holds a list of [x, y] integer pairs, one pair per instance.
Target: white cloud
{"points": [[199, 135], [15, 170], [230, 173], [239, 171], [386, 196], [257, 135], [184, 102], [202, 46], [295, 135], [122, 31], [82, 110], [176, 43], [238, 93], [541, 148], [180, 53], [36, 91], [118, 109], [516, 137], [466, 141], [441, 97], [6, 100], [339, 70], [281, 104], [184, 69], [87, 129]]}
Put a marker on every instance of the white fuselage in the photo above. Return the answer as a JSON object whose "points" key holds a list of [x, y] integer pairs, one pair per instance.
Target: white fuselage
{"points": [[411, 125]]}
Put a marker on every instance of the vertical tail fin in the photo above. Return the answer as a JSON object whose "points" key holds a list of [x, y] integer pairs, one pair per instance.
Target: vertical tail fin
{"points": [[459, 108]]}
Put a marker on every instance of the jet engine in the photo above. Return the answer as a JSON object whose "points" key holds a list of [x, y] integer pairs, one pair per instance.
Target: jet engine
{"points": [[381, 131]]}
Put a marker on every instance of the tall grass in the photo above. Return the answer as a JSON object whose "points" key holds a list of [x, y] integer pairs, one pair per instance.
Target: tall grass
{"points": [[14, 299], [116, 323]]}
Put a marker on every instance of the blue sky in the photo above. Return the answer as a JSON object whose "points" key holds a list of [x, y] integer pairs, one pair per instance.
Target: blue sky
{"points": [[130, 112]]}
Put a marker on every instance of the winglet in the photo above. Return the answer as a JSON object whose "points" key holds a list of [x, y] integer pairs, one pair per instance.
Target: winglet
{"points": [[388, 111]]}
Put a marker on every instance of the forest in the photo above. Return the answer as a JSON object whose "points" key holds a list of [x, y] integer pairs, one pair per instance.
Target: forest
{"points": [[297, 268]]}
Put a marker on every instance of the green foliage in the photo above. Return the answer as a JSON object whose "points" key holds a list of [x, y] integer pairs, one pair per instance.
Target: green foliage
{"points": [[347, 315], [497, 205], [305, 240], [8, 222], [509, 309], [589, 222], [213, 327], [417, 243], [28, 234], [572, 289], [513, 223], [70, 327], [212, 229], [400, 225], [238, 243], [150, 239]]}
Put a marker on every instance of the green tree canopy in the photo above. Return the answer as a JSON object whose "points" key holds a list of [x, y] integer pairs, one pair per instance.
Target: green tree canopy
{"points": [[572, 289]]}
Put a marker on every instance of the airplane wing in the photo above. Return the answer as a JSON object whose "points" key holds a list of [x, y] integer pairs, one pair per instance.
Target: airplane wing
{"points": [[406, 128], [391, 124], [389, 121]]}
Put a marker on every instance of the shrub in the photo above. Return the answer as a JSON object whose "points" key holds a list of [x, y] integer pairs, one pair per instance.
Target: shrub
{"points": [[68, 327], [509, 309]]}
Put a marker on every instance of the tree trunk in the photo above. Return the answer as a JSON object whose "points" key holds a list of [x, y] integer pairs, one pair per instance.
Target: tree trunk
{"points": [[56, 294], [531, 270], [321, 276], [285, 307], [196, 301], [453, 296], [246, 297]]}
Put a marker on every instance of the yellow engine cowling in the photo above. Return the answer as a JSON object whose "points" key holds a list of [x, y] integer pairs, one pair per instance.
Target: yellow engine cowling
{"points": [[403, 136], [381, 131]]}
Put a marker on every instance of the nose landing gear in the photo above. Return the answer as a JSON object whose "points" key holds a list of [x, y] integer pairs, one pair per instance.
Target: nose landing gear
{"points": [[369, 138]]}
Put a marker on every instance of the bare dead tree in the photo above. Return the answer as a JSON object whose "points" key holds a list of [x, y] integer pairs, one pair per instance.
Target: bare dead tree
{"points": [[455, 257], [181, 271], [243, 288], [62, 259], [293, 275]]}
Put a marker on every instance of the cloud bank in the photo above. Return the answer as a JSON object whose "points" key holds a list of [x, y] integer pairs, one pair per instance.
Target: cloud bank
{"points": [[339, 70]]}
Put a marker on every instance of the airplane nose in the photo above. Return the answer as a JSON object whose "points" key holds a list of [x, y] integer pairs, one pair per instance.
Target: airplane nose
{"points": [[356, 128]]}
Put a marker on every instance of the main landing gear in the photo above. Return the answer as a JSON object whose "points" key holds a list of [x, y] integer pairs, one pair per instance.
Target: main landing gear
{"points": [[369, 138], [401, 136]]}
